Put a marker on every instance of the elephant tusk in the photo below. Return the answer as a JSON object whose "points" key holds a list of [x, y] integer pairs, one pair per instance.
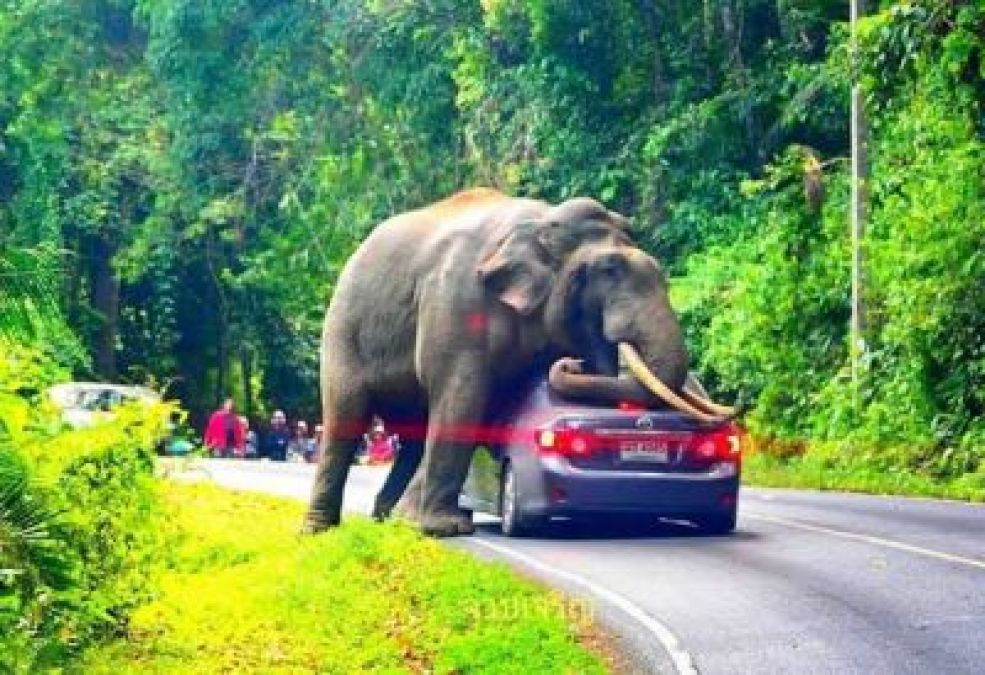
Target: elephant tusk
{"points": [[642, 373], [695, 394], [693, 387], [708, 406]]}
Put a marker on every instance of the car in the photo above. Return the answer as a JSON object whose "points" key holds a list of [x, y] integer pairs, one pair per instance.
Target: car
{"points": [[83, 404], [552, 457]]}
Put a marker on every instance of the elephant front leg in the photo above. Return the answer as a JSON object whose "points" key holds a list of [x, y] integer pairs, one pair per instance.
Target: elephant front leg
{"points": [[451, 439]]}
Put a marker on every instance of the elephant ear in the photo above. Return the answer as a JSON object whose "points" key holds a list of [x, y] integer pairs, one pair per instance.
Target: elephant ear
{"points": [[518, 272]]}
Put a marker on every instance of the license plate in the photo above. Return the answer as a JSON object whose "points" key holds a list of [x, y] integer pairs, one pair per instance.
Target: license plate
{"points": [[643, 451]]}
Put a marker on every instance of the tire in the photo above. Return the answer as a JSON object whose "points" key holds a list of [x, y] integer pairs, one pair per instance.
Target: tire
{"points": [[721, 523], [514, 522]]}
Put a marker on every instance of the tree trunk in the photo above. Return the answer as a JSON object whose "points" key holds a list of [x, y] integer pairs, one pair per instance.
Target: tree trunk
{"points": [[74, 282], [733, 18], [106, 301], [222, 362], [246, 366]]}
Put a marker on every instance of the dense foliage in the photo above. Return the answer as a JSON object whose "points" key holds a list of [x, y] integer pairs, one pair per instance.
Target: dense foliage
{"points": [[200, 171], [920, 402], [80, 522]]}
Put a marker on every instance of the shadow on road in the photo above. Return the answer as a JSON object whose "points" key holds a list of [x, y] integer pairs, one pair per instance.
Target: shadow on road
{"points": [[621, 528]]}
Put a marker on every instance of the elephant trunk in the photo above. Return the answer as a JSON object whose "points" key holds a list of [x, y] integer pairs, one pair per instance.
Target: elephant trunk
{"points": [[656, 345], [568, 379]]}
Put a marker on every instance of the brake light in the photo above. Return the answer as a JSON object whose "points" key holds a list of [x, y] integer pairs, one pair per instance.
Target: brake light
{"points": [[566, 442], [707, 448], [723, 444]]}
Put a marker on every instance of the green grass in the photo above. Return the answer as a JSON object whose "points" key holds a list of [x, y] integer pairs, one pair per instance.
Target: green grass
{"points": [[243, 593], [817, 471]]}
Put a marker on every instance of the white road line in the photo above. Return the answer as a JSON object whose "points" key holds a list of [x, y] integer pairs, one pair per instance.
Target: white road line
{"points": [[683, 663], [763, 492], [871, 539]]}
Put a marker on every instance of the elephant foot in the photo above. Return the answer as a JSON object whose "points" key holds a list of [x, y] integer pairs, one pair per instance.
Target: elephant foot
{"points": [[316, 522], [447, 524], [381, 511], [407, 509]]}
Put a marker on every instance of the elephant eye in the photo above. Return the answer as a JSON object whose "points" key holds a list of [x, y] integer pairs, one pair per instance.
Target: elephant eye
{"points": [[612, 266]]}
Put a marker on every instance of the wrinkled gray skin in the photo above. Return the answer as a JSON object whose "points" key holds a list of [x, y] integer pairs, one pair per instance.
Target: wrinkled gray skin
{"points": [[442, 309]]}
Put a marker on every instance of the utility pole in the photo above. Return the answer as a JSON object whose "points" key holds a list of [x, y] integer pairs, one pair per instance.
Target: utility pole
{"points": [[859, 201]]}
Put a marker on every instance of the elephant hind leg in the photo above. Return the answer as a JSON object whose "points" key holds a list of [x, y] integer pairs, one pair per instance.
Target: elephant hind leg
{"points": [[346, 417], [441, 519], [404, 466]]}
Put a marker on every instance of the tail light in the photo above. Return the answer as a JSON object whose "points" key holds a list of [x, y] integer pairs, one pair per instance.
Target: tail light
{"points": [[724, 444], [567, 442]]}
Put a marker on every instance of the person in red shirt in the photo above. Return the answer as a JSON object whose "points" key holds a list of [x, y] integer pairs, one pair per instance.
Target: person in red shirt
{"points": [[224, 434], [380, 448]]}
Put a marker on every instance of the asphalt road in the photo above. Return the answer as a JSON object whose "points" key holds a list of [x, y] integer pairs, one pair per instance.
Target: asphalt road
{"points": [[809, 583]]}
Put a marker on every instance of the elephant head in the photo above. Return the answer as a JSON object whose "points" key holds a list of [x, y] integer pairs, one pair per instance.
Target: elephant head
{"points": [[602, 298]]}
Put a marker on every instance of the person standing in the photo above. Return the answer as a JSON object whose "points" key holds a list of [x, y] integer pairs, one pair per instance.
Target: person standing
{"points": [[300, 441], [277, 438], [224, 434], [313, 454], [250, 449]]}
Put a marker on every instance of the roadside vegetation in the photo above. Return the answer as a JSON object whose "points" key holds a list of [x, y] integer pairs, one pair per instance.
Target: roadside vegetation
{"points": [[833, 467], [80, 521], [243, 592]]}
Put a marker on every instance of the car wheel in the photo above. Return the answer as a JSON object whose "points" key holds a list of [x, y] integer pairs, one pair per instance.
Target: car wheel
{"points": [[515, 523], [722, 523]]}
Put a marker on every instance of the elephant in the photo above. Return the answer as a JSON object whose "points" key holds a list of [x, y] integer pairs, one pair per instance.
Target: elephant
{"points": [[443, 310]]}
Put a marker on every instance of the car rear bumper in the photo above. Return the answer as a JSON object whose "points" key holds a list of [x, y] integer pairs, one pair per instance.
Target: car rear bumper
{"points": [[563, 490]]}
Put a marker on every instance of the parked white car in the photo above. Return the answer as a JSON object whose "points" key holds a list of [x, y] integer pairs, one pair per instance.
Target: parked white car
{"points": [[86, 403]]}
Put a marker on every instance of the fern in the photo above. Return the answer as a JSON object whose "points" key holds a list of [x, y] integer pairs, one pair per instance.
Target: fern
{"points": [[29, 555], [34, 568], [30, 310]]}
